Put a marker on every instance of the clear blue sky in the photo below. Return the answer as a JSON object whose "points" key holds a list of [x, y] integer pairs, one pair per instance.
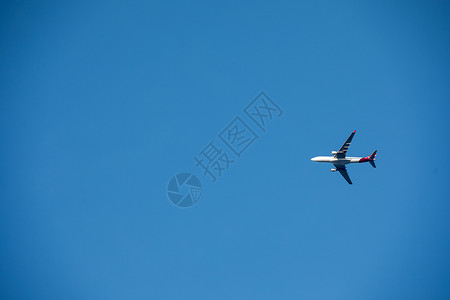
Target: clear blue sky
{"points": [[103, 102]]}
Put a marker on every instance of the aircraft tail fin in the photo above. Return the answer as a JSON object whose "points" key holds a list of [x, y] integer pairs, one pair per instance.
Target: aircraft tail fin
{"points": [[372, 157]]}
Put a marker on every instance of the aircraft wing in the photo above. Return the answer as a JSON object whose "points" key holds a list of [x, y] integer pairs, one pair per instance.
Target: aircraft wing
{"points": [[343, 151], [343, 171]]}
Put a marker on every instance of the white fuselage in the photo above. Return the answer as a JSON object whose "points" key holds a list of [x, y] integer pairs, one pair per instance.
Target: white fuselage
{"points": [[337, 161]]}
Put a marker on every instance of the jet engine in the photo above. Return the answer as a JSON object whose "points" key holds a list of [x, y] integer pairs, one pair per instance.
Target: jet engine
{"points": [[333, 152], [333, 170]]}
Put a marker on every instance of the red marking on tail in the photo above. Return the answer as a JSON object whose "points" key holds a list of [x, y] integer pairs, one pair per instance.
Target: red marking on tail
{"points": [[371, 157]]}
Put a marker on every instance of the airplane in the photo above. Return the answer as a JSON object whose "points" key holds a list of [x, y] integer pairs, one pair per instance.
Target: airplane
{"points": [[340, 159]]}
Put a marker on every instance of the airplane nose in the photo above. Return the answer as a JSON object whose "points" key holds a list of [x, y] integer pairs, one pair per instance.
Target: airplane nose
{"points": [[313, 159]]}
